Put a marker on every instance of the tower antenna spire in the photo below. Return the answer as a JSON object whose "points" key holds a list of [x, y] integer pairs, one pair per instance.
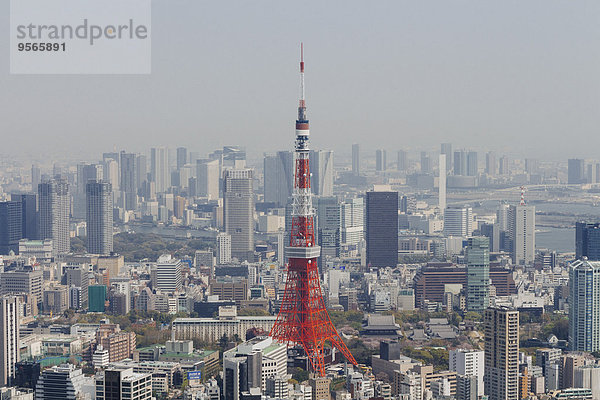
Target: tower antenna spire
{"points": [[302, 100]]}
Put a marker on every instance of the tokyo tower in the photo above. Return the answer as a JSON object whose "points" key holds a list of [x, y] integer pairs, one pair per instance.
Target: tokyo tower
{"points": [[303, 319]]}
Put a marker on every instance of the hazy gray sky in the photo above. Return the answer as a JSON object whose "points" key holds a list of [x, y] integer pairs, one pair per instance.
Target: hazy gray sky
{"points": [[511, 75]]}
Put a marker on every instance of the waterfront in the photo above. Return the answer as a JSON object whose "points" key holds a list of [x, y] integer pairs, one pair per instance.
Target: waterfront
{"points": [[560, 239]]}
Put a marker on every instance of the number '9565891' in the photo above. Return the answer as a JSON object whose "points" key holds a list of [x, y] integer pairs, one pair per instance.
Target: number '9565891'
{"points": [[41, 46]]}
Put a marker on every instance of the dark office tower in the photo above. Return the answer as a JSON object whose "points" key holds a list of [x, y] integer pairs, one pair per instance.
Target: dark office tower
{"points": [[182, 156], [446, 149], [492, 232], [587, 240], [380, 160], [141, 165], [426, 167], [402, 161], [576, 171], [356, 159], [238, 212], [99, 217], [472, 166], [491, 164], [36, 177], [504, 166], [390, 350], [10, 226], [382, 229], [329, 225], [478, 274], [279, 178], [53, 197], [129, 180], [460, 162], [29, 214]]}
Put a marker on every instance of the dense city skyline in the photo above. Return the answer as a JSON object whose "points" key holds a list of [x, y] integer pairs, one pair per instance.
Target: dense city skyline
{"points": [[458, 262]]}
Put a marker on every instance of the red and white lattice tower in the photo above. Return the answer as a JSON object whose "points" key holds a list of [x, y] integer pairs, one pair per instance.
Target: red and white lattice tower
{"points": [[303, 319]]}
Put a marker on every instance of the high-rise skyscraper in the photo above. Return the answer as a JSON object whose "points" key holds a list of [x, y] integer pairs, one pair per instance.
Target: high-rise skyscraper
{"points": [[356, 159], [353, 211], [159, 168], [492, 232], [576, 171], [531, 165], [382, 229], [380, 160], [460, 162], [491, 164], [501, 377], [238, 212], [478, 274], [472, 165], [141, 165], [442, 183], [279, 178], [446, 149], [207, 173], [584, 305], [29, 214], [99, 217], [11, 225], [587, 240], [402, 160], [85, 173], [36, 177], [128, 182], [426, 164], [54, 214], [112, 174], [321, 164], [521, 232], [182, 157], [329, 226], [504, 165], [9, 338], [458, 220]]}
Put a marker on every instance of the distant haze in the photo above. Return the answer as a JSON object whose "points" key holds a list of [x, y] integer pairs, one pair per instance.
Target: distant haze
{"points": [[512, 76]]}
